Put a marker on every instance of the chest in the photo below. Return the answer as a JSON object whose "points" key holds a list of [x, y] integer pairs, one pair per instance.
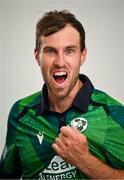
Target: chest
{"points": [[37, 133]]}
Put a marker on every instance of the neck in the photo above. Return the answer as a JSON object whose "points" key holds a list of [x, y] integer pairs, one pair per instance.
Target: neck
{"points": [[62, 104]]}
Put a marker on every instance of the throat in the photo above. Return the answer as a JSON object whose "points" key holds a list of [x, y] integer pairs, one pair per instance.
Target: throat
{"points": [[60, 105]]}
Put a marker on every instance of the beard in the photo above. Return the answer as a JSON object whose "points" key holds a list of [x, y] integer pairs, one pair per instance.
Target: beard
{"points": [[61, 92]]}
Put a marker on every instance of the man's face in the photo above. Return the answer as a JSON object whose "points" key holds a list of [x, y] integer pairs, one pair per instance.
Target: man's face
{"points": [[60, 59]]}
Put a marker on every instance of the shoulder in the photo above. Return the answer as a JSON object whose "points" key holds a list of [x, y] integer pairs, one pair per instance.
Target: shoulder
{"points": [[103, 97], [24, 103], [115, 108]]}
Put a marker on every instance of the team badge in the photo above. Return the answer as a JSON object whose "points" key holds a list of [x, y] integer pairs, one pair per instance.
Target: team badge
{"points": [[79, 123]]}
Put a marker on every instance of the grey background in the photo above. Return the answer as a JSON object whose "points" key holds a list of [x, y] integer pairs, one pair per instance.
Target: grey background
{"points": [[20, 75]]}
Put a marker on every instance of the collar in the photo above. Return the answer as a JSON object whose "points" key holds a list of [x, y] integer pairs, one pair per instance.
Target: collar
{"points": [[80, 102], [83, 97]]}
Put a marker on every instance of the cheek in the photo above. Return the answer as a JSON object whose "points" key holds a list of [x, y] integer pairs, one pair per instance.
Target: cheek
{"points": [[75, 65], [45, 67], [43, 62], [46, 61]]}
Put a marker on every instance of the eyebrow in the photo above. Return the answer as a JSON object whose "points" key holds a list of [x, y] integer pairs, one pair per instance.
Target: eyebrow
{"points": [[71, 46], [67, 47], [49, 47]]}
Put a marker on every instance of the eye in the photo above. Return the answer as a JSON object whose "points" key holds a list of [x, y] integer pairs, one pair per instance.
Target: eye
{"points": [[49, 51], [69, 51]]}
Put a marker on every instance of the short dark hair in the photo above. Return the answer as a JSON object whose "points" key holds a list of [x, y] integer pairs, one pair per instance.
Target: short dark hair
{"points": [[54, 21]]}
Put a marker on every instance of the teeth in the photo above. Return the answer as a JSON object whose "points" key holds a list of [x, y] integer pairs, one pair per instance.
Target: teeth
{"points": [[60, 73]]}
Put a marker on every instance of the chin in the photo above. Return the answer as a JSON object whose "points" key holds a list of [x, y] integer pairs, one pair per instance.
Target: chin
{"points": [[60, 94]]}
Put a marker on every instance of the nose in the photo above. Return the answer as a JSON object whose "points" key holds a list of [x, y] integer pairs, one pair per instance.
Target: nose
{"points": [[60, 59]]}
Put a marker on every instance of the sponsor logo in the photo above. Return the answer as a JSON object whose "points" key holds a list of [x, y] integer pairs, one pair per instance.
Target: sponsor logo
{"points": [[40, 137], [79, 123], [58, 169]]}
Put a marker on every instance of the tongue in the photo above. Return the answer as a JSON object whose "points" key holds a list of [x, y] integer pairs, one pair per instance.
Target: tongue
{"points": [[60, 79]]}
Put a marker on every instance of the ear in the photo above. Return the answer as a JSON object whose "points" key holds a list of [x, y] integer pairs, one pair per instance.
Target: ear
{"points": [[83, 55], [36, 54]]}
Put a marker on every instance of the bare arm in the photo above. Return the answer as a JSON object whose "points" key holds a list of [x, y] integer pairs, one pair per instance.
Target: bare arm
{"points": [[77, 153]]}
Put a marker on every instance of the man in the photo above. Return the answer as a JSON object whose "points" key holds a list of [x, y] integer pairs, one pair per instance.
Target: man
{"points": [[70, 130]]}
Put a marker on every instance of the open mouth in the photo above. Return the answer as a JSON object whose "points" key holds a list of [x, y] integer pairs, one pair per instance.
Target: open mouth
{"points": [[60, 77]]}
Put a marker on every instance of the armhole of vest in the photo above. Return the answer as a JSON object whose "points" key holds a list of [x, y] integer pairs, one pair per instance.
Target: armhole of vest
{"points": [[106, 108]]}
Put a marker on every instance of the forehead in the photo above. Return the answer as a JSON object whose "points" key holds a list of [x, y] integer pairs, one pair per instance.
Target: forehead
{"points": [[64, 37]]}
